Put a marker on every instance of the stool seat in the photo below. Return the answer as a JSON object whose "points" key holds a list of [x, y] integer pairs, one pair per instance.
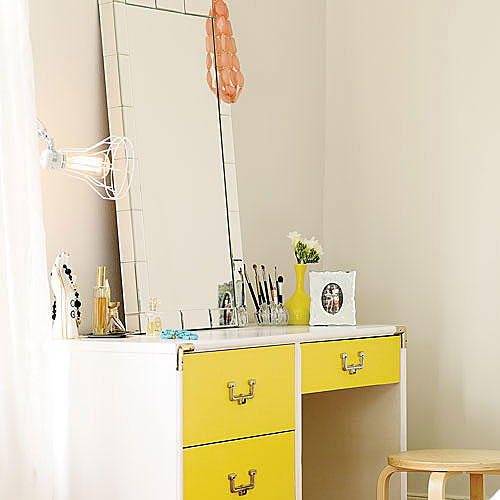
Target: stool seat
{"points": [[447, 460]]}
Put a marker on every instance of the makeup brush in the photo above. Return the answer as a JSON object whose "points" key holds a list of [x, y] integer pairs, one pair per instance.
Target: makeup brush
{"points": [[272, 291], [264, 279], [276, 282], [261, 292], [242, 287], [252, 293], [280, 289], [258, 285]]}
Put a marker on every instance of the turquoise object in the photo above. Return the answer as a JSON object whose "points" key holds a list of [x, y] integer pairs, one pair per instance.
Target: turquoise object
{"points": [[167, 334], [179, 334]]}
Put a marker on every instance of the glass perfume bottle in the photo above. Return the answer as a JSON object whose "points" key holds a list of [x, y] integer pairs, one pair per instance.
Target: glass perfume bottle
{"points": [[114, 323], [101, 302], [154, 326]]}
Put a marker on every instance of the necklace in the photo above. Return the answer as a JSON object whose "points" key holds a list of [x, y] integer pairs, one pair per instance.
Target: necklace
{"points": [[75, 303]]}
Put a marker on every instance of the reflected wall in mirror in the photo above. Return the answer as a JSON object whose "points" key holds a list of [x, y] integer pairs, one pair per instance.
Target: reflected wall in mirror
{"points": [[179, 228]]}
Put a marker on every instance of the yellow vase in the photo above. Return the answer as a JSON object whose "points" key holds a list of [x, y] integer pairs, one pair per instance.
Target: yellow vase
{"points": [[299, 303]]}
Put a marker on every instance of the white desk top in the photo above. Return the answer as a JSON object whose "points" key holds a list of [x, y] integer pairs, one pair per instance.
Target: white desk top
{"points": [[233, 338]]}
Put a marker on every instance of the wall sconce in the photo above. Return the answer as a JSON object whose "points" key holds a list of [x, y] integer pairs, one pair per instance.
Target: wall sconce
{"points": [[107, 167]]}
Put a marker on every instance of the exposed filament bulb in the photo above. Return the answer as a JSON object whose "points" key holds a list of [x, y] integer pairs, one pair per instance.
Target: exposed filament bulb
{"points": [[97, 166], [107, 167]]}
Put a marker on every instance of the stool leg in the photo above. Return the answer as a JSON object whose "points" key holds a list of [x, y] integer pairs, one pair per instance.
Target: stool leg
{"points": [[437, 484], [476, 487], [383, 482]]}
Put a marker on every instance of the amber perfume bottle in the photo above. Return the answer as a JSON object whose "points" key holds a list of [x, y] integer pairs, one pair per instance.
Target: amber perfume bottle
{"points": [[101, 302]]}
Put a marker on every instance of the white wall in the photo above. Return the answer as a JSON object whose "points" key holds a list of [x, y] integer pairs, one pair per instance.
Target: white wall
{"points": [[278, 126], [411, 198], [71, 102]]}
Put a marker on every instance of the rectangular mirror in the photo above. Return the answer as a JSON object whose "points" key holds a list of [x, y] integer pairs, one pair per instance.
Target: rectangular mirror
{"points": [[179, 227]]}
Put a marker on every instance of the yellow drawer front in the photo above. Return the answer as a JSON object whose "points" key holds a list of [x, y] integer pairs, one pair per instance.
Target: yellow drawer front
{"points": [[209, 414], [206, 469], [323, 364]]}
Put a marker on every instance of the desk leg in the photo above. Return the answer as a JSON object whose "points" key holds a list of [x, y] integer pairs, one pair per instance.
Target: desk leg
{"points": [[403, 419], [298, 422]]}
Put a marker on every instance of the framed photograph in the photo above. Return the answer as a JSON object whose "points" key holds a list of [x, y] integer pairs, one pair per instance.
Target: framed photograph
{"points": [[332, 298], [226, 304]]}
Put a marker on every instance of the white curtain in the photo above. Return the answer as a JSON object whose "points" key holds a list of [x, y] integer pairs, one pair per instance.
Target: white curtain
{"points": [[25, 447]]}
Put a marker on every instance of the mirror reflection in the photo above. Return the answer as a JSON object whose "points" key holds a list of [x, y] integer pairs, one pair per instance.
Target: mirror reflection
{"points": [[181, 217]]}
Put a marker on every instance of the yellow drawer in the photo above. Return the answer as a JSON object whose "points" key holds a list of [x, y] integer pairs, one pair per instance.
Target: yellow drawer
{"points": [[207, 469], [209, 414], [328, 366]]}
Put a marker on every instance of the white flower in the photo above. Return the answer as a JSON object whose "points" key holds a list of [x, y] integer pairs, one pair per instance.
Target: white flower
{"points": [[312, 243], [295, 237], [315, 244], [309, 252]]}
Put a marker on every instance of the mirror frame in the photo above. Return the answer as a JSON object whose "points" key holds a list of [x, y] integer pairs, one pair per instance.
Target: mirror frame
{"points": [[133, 257]]}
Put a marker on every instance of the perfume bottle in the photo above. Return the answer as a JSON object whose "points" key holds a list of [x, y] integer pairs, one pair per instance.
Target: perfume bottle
{"points": [[114, 323], [101, 302], [154, 319]]}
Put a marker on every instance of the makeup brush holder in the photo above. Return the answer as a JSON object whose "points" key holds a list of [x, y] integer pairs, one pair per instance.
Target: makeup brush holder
{"points": [[242, 315], [272, 315]]}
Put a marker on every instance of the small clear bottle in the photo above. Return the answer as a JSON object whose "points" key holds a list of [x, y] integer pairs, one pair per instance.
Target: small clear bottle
{"points": [[101, 302], [154, 326], [114, 323]]}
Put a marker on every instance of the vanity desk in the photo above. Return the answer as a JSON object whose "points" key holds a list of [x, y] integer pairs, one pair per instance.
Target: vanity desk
{"points": [[276, 413]]}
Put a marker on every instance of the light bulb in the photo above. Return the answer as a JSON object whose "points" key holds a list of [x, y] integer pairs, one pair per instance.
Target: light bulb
{"points": [[94, 165], [107, 167]]}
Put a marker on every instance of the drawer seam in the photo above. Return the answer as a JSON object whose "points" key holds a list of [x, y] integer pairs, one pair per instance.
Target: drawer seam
{"points": [[237, 439], [321, 341]]}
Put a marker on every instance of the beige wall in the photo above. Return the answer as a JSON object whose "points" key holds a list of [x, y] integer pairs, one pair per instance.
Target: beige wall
{"points": [[411, 198], [410, 185], [278, 126], [71, 102]]}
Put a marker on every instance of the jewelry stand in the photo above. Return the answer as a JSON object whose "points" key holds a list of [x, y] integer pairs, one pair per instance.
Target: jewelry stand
{"points": [[66, 306]]}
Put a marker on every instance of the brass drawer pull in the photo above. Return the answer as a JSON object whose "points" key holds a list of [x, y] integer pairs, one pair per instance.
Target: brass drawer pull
{"points": [[242, 398], [353, 369], [242, 489]]}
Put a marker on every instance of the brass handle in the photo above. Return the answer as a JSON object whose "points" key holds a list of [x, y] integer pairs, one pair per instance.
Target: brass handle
{"points": [[353, 369], [241, 398], [242, 489]]}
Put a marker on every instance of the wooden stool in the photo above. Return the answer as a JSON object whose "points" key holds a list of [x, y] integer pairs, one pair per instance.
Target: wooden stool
{"points": [[442, 464]]}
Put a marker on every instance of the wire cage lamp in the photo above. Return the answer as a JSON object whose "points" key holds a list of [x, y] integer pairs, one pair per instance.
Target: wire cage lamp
{"points": [[107, 167]]}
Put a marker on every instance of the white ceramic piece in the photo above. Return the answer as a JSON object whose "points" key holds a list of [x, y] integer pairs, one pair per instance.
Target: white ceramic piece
{"points": [[64, 326]]}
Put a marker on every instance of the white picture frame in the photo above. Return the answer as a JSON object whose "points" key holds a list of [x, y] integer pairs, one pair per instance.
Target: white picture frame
{"points": [[332, 298]]}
